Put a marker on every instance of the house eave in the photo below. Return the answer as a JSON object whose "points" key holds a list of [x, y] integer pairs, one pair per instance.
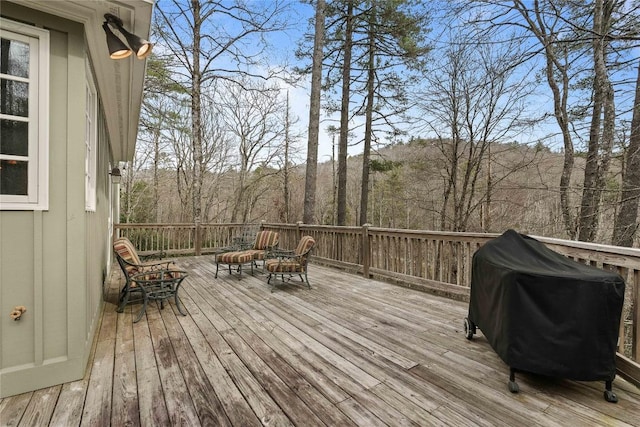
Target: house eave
{"points": [[119, 82]]}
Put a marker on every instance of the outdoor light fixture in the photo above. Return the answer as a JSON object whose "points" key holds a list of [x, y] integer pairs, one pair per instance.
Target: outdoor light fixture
{"points": [[117, 48], [116, 176]]}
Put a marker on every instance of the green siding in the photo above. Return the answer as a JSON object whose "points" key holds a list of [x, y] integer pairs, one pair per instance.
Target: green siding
{"points": [[46, 260], [54, 240], [97, 233], [16, 287]]}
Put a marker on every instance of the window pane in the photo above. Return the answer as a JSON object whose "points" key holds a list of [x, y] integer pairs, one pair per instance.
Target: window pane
{"points": [[14, 138], [15, 58], [14, 98], [13, 177]]}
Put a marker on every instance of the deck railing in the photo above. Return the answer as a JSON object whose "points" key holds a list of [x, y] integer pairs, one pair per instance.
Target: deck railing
{"points": [[438, 262]]}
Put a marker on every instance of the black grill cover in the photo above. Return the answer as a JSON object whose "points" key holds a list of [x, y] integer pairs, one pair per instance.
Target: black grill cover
{"points": [[543, 312]]}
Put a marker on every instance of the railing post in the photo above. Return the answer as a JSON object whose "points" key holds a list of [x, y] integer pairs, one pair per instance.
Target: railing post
{"points": [[198, 238], [298, 231], [366, 261]]}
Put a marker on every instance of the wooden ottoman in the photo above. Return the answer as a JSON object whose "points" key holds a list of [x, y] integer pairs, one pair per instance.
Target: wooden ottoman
{"points": [[234, 258]]}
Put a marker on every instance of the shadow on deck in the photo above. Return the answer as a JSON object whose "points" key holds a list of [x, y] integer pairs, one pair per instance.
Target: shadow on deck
{"points": [[350, 351]]}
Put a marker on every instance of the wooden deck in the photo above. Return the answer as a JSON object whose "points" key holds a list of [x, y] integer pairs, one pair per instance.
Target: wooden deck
{"points": [[349, 351]]}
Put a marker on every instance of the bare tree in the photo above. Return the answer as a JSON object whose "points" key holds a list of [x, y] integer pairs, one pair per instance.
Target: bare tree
{"points": [[583, 47], [206, 48], [254, 118], [473, 100], [215, 153], [291, 137], [286, 192], [548, 30], [153, 121], [626, 222], [217, 146], [602, 127], [180, 137]]}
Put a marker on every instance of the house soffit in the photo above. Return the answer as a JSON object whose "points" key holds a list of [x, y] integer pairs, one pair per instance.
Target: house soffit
{"points": [[119, 82]]}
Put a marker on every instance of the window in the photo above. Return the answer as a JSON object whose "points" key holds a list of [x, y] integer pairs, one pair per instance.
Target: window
{"points": [[24, 112], [90, 138]]}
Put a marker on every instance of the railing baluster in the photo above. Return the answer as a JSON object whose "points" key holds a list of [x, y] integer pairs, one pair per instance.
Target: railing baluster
{"points": [[635, 316]]}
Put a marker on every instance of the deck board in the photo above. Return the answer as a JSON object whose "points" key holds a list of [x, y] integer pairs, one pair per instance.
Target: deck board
{"points": [[41, 407], [349, 351], [258, 339]]}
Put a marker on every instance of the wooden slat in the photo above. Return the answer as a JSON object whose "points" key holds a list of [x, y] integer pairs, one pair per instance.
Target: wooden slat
{"points": [[41, 407], [180, 406], [200, 387], [97, 408], [235, 406], [73, 395], [12, 408], [412, 413], [349, 351], [151, 402], [125, 389], [257, 398]]}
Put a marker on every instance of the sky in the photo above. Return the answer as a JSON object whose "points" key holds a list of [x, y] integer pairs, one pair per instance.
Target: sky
{"points": [[538, 103], [283, 48], [285, 43], [299, 95]]}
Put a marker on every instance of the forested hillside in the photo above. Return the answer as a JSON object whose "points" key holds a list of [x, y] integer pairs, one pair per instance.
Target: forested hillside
{"points": [[408, 182]]}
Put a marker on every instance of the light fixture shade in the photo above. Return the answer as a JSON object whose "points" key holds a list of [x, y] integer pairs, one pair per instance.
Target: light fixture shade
{"points": [[140, 46], [116, 175], [117, 48]]}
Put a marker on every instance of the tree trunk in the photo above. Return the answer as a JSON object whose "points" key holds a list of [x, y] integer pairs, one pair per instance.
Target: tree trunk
{"points": [[285, 184], [344, 118], [156, 167], [314, 117], [600, 139], [626, 222], [452, 177], [366, 154], [560, 95], [126, 195], [487, 214], [196, 131], [554, 67], [241, 197]]}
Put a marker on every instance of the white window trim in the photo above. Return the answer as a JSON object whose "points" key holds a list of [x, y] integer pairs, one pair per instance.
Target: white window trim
{"points": [[38, 187], [91, 141]]}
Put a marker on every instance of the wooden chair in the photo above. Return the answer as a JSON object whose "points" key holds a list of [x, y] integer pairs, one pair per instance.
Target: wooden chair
{"points": [[291, 262], [132, 267]]}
